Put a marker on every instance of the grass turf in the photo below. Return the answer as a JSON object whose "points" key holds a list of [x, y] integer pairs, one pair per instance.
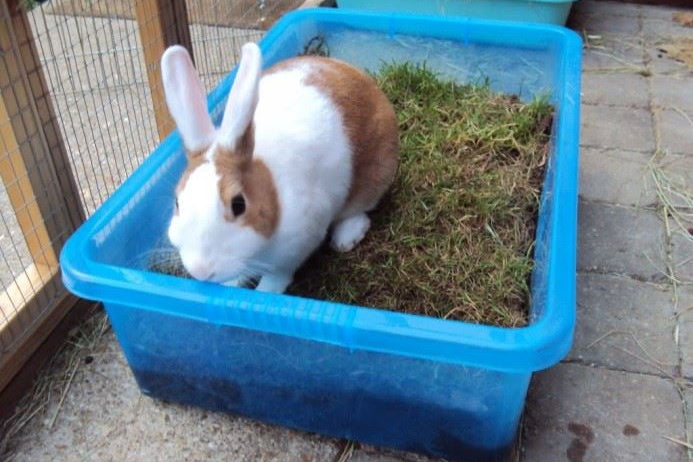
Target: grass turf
{"points": [[454, 236]]}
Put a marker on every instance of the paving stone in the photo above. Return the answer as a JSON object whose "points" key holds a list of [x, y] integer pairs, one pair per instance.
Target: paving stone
{"points": [[371, 454], [676, 131], [615, 176], [581, 413], [672, 92], [613, 53], [617, 127], [360, 456], [597, 23], [12, 243], [660, 63], [682, 252], [606, 8], [615, 89], [625, 324], [660, 12], [685, 320], [660, 30], [678, 178], [622, 240], [688, 398]]}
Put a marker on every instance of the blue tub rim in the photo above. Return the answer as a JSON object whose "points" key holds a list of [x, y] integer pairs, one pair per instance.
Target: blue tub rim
{"points": [[514, 350]]}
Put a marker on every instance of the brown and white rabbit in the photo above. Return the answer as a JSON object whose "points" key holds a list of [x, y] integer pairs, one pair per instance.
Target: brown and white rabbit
{"points": [[309, 144]]}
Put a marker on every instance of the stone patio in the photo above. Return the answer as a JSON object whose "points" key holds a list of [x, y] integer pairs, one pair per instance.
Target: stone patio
{"points": [[624, 389], [624, 393]]}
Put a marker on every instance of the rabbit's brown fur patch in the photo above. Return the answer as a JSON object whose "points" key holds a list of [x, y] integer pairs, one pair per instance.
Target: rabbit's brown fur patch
{"points": [[242, 174], [370, 122], [371, 125]]}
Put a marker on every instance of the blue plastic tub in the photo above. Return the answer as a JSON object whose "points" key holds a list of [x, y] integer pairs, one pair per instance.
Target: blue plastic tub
{"points": [[440, 387], [546, 11]]}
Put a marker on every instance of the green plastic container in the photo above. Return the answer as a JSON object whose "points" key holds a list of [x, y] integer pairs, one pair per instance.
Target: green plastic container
{"points": [[544, 11]]}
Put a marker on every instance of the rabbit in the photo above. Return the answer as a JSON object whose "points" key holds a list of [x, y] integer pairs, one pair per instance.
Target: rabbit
{"points": [[305, 148]]}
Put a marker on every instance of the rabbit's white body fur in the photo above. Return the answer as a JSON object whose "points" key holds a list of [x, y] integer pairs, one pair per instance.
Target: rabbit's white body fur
{"points": [[312, 171]]}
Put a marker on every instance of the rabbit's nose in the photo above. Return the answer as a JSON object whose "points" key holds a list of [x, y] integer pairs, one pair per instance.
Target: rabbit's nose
{"points": [[200, 269]]}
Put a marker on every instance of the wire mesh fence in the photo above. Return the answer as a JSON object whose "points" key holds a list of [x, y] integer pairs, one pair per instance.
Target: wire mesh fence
{"points": [[82, 106], [94, 68]]}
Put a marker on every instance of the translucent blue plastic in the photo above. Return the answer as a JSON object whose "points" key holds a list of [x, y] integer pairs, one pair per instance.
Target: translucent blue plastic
{"points": [[440, 387], [547, 11]]}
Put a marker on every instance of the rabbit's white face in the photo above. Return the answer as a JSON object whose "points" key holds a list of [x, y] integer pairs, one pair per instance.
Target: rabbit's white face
{"points": [[215, 241], [226, 204]]}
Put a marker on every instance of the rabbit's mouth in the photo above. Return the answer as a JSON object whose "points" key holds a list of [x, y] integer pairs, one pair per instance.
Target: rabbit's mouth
{"points": [[243, 274], [200, 270]]}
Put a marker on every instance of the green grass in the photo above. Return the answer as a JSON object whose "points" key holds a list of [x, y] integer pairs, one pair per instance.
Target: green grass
{"points": [[454, 236]]}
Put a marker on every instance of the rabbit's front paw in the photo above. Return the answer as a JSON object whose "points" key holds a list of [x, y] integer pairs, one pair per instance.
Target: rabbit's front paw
{"points": [[349, 232], [276, 283]]}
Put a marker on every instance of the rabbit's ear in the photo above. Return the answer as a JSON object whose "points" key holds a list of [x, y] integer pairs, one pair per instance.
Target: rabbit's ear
{"points": [[243, 98], [186, 99]]}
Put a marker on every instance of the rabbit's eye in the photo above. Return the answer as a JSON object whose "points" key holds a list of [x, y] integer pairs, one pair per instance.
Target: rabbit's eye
{"points": [[176, 203], [238, 205]]}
